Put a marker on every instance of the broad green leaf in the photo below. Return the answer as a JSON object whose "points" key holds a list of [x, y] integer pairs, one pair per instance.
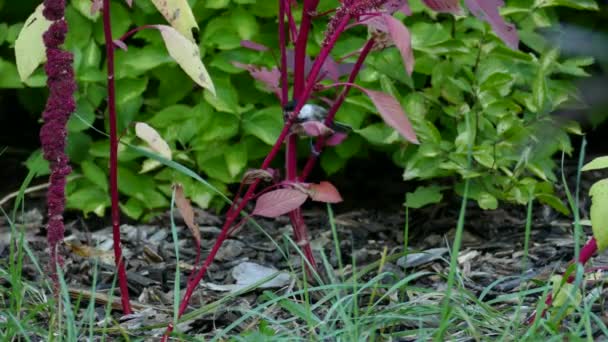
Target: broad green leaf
{"points": [[236, 159], [95, 174], [486, 201], [245, 23], [599, 212], [187, 55], [88, 199], [596, 164], [179, 14], [133, 208], [423, 195], [576, 4], [29, 47], [265, 124], [141, 187], [9, 76]]}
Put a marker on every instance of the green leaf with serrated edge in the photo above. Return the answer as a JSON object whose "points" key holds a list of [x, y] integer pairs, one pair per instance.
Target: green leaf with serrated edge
{"points": [[423, 195], [596, 164], [187, 56], [599, 212], [179, 14], [29, 47]]}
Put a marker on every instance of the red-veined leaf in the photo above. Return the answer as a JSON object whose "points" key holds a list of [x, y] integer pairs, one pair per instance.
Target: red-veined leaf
{"points": [[119, 43], [444, 6], [392, 113], [336, 139], [312, 129], [96, 6], [279, 202], [324, 192], [393, 6], [253, 45], [270, 78], [185, 209], [487, 10], [398, 34]]}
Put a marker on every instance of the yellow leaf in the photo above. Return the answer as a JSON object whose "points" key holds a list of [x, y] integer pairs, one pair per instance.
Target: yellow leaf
{"points": [[599, 213], [187, 55], [153, 139], [179, 15], [565, 294], [30, 51]]}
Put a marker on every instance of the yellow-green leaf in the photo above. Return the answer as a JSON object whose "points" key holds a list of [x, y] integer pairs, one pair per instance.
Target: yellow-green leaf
{"points": [[596, 164], [599, 212], [179, 14], [29, 47], [187, 55], [565, 293]]}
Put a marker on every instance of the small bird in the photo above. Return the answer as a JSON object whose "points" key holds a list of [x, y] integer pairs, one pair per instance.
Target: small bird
{"points": [[313, 112]]}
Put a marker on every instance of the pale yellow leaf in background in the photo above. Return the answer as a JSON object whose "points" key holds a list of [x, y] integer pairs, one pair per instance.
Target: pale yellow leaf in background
{"points": [[179, 15], [599, 212], [29, 47], [187, 55], [153, 139]]}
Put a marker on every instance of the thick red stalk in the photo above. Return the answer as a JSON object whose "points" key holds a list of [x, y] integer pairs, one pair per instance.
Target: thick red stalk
{"points": [[310, 163], [120, 265], [586, 253], [283, 47], [300, 48]]}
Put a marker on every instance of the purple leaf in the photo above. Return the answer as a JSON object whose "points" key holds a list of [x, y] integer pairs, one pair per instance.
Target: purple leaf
{"points": [[324, 192], [129, 2], [253, 45], [279, 202], [270, 78], [398, 34], [392, 6], [444, 6], [487, 10], [391, 112], [330, 70], [336, 139], [119, 43], [313, 129], [96, 6]]}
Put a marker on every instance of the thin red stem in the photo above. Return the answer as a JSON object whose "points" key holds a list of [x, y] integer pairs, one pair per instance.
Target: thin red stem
{"points": [[310, 163], [134, 31], [120, 265], [588, 250]]}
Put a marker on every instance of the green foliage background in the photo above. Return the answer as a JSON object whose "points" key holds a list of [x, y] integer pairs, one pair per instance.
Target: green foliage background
{"points": [[468, 90]]}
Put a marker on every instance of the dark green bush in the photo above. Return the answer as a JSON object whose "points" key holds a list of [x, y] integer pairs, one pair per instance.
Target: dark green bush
{"points": [[467, 89]]}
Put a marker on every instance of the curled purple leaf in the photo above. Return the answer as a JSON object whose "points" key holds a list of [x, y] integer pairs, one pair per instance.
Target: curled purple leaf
{"points": [[487, 10], [120, 44], [269, 77], [444, 6]]}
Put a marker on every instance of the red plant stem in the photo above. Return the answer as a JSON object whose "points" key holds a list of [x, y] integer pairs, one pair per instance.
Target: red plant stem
{"points": [[120, 266], [310, 163], [232, 215], [134, 31], [586, 253], [300, 49], [283, 46]]}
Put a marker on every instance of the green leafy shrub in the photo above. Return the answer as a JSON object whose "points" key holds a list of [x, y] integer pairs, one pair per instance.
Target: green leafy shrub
{"points": [[467, 90]]}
